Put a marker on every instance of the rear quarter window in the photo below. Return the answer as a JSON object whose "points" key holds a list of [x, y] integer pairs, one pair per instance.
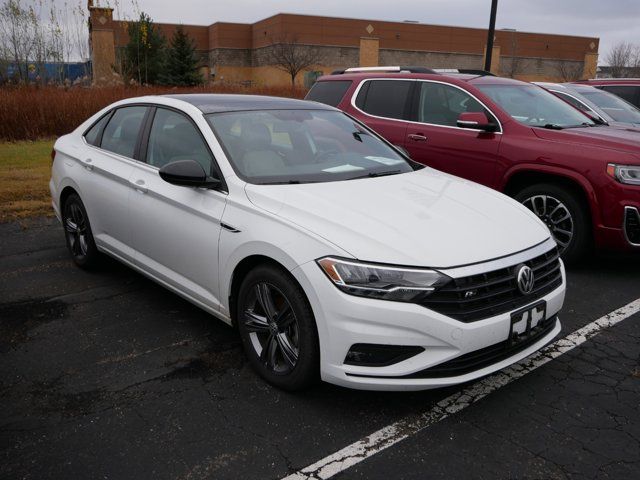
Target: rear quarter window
{"points": [[329, 93], [92, 136]]}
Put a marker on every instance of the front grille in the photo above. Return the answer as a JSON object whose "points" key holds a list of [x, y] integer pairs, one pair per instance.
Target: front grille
{"points": [[484, 357], [487, 294], [632, 225]]}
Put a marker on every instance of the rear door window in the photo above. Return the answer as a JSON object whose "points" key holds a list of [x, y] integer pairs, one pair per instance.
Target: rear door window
{"points": [[121, 133], [329, 93], [385, 98]]}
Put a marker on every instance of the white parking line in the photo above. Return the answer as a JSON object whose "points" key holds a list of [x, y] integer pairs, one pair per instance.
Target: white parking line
{"points": [[398, 431]]}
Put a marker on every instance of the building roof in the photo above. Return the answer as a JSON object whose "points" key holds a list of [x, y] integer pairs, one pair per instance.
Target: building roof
{"points": [[217, 103]]}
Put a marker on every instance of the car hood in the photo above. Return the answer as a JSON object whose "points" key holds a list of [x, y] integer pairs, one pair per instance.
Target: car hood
{"points": [[423, 218], [631, 127], [627, 140]]}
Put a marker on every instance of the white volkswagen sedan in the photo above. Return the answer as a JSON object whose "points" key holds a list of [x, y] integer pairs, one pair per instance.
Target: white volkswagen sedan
{"points": [[333, 254]]}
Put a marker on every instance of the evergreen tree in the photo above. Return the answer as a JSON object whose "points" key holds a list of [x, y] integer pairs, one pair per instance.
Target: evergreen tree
{"points": [[145, 50], [182, 64]]}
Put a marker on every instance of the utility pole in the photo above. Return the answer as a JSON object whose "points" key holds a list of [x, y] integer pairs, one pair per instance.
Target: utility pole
{"points": [[490, 35]]}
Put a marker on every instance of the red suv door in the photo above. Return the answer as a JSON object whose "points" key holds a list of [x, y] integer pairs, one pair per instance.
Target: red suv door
{"points": [[433, 137], [384, 105]]}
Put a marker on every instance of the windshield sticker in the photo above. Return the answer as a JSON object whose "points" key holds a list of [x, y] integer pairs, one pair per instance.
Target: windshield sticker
{"points": [[343, 168], [385, 160]]}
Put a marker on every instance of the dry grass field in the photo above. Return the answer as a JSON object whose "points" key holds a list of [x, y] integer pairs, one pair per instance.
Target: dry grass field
{"points": [[25, 168]]}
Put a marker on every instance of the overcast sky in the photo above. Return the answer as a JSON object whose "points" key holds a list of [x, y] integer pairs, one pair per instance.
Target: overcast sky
{"points": [[611, 20]]}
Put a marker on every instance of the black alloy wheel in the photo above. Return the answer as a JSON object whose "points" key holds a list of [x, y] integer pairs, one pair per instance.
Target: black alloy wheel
{"points": [[78, 234], [277, 328]]}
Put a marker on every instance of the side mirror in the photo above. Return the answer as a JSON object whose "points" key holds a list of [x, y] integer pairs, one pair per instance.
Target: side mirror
{"points": [[476, 121], [187, 173]]}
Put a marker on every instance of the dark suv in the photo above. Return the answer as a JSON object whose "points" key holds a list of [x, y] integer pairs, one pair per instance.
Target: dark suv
{"points": [[582, 179], [627, 88]]}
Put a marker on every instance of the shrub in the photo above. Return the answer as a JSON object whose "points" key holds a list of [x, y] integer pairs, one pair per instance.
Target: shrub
{"points": [[30, 113]]}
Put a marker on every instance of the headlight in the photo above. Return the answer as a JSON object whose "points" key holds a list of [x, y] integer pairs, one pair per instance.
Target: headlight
{"points": [[629, 174], [381, 281]]}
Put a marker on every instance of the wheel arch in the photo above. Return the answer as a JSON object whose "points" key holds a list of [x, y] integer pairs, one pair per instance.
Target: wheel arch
{"points": [[520, 178], [240, 271], [64, 194]]}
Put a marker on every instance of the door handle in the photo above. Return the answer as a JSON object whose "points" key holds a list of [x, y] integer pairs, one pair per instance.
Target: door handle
{"points": [[87, 164], [139, 185], [417, 137]]}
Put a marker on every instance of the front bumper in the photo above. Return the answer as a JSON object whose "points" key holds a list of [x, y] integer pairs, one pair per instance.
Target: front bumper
{"points": [[344, 320]]}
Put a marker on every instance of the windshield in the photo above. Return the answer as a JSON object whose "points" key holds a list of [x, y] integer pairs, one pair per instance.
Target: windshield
{"points": [[536, 107], [298, 146], [617, 108]]}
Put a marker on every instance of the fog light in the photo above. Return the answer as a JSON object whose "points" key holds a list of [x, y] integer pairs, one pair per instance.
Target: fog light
{"points": [[372, 355]]}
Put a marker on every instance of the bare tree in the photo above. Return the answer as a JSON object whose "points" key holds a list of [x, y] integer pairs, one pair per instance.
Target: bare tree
{"points": [[516, 64], [623, 58], [18, 36], [288, 55], [569, 71], [35, 32]]}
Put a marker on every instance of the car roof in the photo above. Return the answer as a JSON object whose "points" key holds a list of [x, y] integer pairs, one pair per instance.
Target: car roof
{"points": [[451, 77], [605, 81], [219, 102]]}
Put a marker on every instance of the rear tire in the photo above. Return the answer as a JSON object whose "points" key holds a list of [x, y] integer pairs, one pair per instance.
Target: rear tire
{"points": [[278, 329], [565, 214], [78, 235]]}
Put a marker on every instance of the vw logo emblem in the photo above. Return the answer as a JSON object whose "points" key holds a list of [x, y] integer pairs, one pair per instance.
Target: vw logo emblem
{"points": [[525, 279]]}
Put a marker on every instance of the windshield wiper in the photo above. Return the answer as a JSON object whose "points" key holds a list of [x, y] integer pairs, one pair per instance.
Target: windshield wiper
{"points": [[376, 174], [553, 126]]}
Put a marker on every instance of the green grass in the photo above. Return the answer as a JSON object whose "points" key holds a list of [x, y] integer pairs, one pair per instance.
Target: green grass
{"points": [[25, 169]]}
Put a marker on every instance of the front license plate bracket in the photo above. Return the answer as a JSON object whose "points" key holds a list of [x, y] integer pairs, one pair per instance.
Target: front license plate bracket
{"points": [[526, 320]]}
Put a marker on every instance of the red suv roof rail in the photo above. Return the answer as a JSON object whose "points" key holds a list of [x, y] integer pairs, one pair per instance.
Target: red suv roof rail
{"points": [[412, 69]]}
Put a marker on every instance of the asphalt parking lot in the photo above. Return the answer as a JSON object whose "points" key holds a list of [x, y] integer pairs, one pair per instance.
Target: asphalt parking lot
{"points": [[107, 375]]}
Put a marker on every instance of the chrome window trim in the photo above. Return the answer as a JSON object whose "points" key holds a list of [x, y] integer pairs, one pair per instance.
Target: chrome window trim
{"points": [[357, 91], [575, 98], [629, 211], [500, 263]]}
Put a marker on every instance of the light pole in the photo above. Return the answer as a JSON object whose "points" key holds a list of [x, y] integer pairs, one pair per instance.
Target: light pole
{"points": [[490, 35]]}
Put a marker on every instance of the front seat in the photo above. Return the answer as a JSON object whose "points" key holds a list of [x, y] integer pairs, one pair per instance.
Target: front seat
{"points": [[259, 159]]}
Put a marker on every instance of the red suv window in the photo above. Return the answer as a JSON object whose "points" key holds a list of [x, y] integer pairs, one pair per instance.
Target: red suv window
{"points": [[385, 98], [329, 93]]}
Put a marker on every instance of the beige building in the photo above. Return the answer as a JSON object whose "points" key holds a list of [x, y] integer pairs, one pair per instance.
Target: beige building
{"points": [[241, 53]]}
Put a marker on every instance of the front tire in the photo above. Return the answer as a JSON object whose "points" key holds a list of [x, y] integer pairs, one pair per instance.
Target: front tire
{"points": [[278, 329], [564, 213], [78, 235]]}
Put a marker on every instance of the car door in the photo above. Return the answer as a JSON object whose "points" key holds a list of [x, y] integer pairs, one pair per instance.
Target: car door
{"points": [[107, 163], [383, 105], [433, 137], [176, 228]]}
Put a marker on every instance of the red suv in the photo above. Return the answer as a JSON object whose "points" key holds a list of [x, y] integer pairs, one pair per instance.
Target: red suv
{"points": [[582, 179], [627, 88]]}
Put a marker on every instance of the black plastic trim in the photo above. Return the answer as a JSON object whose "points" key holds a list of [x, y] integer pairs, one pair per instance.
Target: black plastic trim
{"points": [[478, 359]]}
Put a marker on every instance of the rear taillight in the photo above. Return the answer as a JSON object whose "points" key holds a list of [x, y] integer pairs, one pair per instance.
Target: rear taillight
{"points": [[53, 155]]}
